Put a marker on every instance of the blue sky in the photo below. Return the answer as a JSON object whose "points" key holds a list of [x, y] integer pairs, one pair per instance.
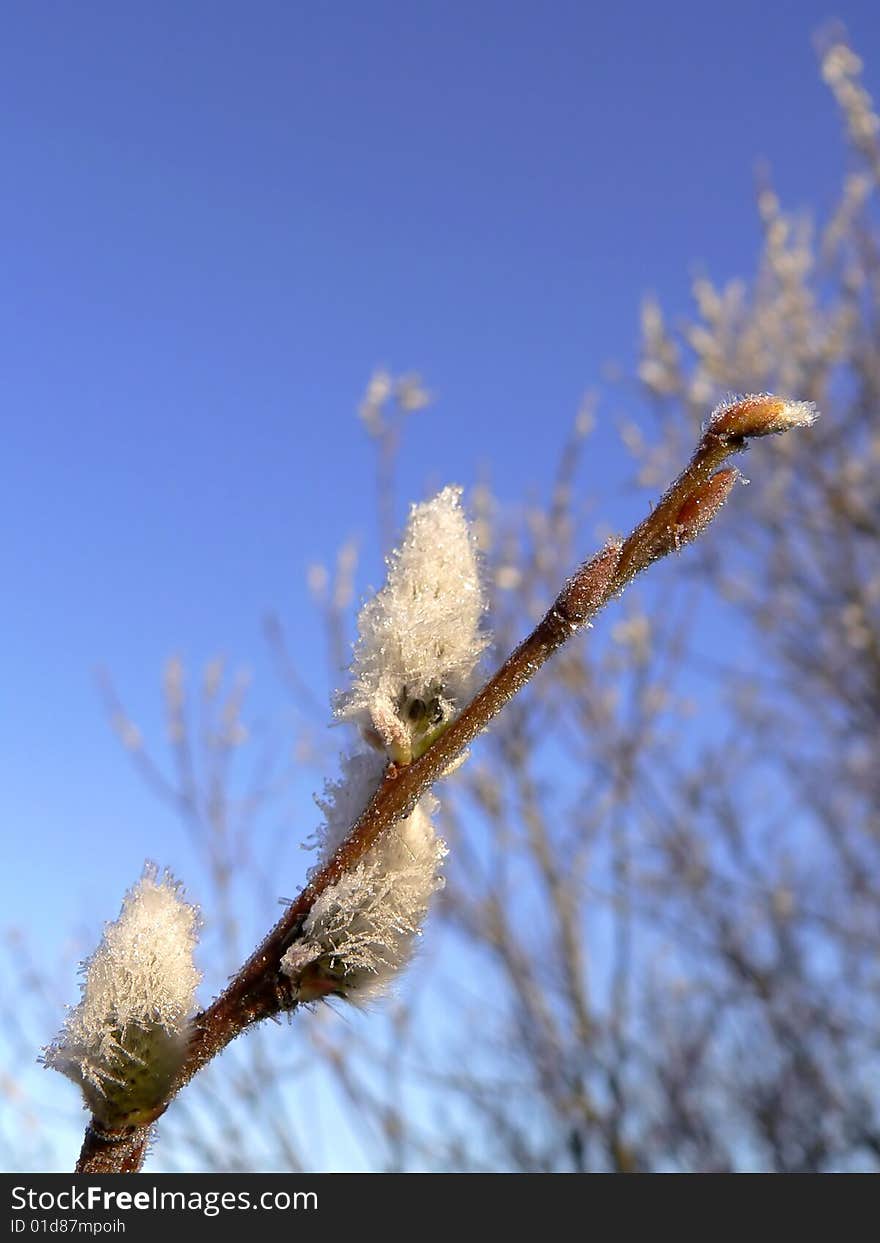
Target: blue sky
{"points": [[218, 218]]}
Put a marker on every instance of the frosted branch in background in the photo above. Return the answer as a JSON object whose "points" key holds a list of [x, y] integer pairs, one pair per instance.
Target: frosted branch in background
{"points": [[126, 1039]]}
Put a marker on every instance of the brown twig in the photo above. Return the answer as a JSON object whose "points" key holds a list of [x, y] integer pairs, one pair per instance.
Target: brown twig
{"points": [[113, 1152], [260, 990]]}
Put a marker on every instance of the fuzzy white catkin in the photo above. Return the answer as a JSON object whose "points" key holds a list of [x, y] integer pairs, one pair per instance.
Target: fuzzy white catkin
{"points": [[125, 1040], [362, 930], [421, 636], [419, 642]]}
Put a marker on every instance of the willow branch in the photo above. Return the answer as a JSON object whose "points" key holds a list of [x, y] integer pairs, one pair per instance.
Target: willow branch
{"points": [[260, 990]]}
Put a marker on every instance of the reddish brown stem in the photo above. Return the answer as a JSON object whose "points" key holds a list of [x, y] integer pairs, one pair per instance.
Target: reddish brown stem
{"points": [[113, 1152], [260, 989]]}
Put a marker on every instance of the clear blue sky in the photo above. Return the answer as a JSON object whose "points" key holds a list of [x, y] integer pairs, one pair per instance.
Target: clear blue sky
{"points": [[218, 218]]}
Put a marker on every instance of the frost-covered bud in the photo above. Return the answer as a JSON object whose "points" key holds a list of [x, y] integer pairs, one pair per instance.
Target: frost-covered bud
{"points": [[125, 1041], [421, 636], [702, 506], [759, 414], [363, 929]]}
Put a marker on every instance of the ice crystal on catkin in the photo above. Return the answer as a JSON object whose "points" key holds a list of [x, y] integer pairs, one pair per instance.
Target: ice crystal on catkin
{"points": [[363, 929], [126, 1039], [343, 801], [421, 636]]}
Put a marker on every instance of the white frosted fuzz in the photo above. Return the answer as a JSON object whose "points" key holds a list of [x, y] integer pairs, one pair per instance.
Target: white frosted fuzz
{"points": [[420, 638], [363, 929], [419, 642], [126, 1039], [760, 414]]}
